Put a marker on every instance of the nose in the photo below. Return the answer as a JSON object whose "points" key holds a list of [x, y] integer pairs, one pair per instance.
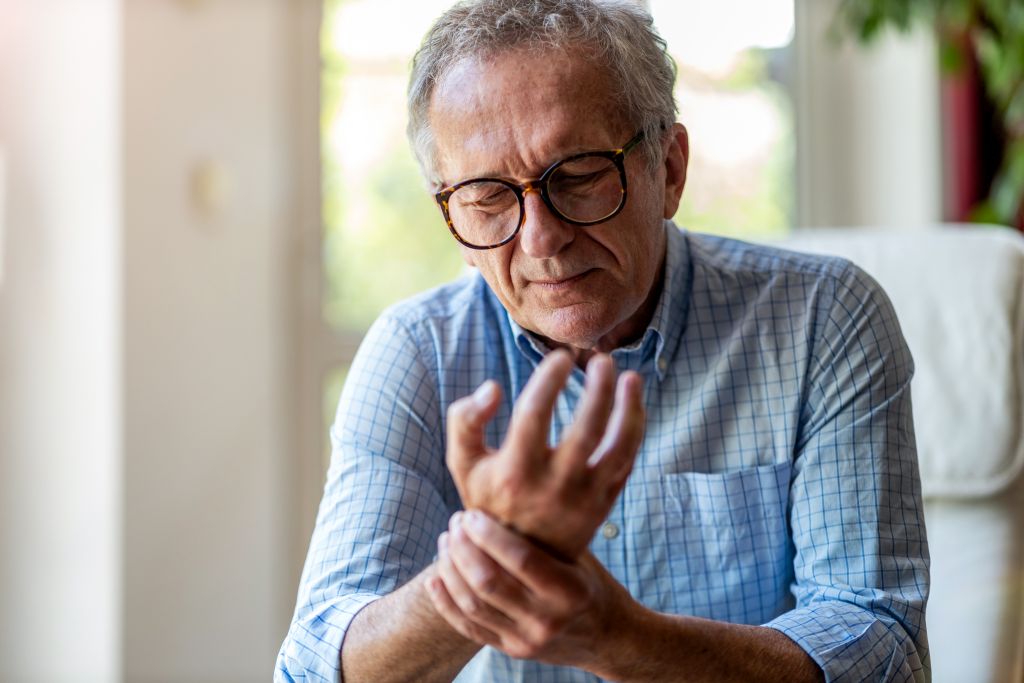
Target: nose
{"points": [[543, 234]]}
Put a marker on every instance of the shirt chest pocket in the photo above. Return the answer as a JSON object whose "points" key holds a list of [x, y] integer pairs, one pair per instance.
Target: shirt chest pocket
{"points": [[728, 542]]}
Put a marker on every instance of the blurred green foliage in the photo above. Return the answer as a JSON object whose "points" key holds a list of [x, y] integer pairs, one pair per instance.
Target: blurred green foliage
{"points": [[384, 238], [403, 249], [992, 31]]}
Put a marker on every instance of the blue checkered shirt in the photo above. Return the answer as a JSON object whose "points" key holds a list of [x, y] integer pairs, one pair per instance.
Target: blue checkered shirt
{"points": [[777, 483]]}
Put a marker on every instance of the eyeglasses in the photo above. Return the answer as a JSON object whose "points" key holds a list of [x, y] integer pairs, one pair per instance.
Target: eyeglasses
{"points": [[585, 189]]}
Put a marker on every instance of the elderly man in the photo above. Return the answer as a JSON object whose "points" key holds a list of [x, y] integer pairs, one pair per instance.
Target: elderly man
{"points": [[741, 502]]}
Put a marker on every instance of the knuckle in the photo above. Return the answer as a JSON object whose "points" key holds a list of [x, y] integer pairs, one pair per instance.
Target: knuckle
{"points": [[575, 447], [471, 606], [508, 488], [484, 581], [542, 631], [523, 560]]}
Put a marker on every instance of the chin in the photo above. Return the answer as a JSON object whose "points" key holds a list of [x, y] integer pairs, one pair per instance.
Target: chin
{"points": [[576, 325]]}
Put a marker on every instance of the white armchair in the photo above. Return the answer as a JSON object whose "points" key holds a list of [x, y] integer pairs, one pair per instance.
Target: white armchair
{"points": [[959, 295]]}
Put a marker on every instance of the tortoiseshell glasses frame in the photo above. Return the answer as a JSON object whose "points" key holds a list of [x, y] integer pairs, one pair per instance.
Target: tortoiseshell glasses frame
{"points": [[616, 156]]}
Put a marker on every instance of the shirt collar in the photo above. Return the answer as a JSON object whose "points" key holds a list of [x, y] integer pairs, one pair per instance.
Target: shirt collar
{"points": [[661, 339]]}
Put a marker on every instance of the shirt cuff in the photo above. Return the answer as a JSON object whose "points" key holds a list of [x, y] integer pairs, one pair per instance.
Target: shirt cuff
{"points": [[312, 649], [852, 644]]}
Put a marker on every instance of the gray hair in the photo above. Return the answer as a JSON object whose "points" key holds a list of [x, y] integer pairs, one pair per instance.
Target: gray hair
{"points": [[619, 32]]}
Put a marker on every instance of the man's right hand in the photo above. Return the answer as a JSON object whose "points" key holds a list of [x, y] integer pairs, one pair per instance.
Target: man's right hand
{"points": [[557, 496]]}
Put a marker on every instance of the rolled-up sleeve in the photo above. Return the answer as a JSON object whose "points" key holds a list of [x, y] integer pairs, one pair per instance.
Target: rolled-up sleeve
{"points": [[384, 503], [856, 515]]}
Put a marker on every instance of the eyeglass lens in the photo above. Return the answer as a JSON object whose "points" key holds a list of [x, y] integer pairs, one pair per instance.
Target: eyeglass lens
{"points": [[582, 190]]}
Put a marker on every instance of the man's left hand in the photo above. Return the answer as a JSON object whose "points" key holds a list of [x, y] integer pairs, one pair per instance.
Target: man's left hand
{"points": [[498, 588], [557, 495]]}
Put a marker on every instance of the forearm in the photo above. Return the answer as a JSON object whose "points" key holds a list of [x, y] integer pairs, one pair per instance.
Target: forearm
{"points": [[650, 647], [402, 638]]}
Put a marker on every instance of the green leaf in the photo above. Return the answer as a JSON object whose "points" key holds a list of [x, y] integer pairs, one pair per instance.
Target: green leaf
{"points": [[955, 13], [984, 212], [952, 60], [1014, 116], [1007, 192]]}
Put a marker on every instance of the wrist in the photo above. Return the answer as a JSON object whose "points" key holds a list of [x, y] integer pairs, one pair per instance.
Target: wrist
{"points": [[623, 625]]}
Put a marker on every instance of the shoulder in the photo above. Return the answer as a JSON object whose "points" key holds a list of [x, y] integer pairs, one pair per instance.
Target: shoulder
{"points": [[724, 263], [736, 258]]}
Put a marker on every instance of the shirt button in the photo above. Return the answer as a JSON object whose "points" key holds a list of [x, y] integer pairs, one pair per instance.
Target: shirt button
{"points": [[663, 364], [609, 531]]}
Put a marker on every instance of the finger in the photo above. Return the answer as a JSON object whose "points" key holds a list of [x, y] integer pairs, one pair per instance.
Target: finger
{"points": [[467, 418], [472, 605], [531, 415], [449, 611], [489, 581], [613, 460], [547, 578], [584, 435]]}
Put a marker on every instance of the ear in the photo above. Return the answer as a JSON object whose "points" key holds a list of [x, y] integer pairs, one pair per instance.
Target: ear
{"points": [[676, 159]]}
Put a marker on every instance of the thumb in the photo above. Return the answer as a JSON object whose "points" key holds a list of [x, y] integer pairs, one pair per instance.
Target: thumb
{"points": [[467, 419]]}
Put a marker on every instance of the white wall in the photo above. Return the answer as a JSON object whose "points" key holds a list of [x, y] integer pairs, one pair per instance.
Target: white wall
{"points": [[147, 365], [868, 126], [60, 326]]}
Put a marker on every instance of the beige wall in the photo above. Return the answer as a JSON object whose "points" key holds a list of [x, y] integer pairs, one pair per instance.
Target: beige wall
{"points": [[206, 242]]}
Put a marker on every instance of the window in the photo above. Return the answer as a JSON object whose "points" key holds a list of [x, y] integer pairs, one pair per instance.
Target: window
{"points": [[733, 58], [383, 236]]}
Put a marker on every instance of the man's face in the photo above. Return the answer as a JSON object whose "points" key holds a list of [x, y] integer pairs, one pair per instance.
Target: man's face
{"points": [[512, 117]]}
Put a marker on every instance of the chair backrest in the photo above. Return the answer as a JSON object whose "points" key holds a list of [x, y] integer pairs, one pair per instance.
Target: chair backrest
{"points": [[959, 295]]}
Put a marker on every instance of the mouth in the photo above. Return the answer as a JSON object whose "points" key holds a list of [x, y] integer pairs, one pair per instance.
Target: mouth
{"points": [[561, 283]]}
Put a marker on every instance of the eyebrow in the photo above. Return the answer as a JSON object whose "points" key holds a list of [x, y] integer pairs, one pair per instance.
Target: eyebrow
{"points": [[489, 175]]}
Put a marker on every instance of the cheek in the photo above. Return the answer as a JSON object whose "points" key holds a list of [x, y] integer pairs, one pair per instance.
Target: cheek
{"points": [[493, 264]]}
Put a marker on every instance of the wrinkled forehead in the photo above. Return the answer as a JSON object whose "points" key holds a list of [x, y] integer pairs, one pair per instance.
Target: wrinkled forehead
{"points": [[578, 70], [542, 102]]}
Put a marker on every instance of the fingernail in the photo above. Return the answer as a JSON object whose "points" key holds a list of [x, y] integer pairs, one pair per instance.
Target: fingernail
{"points": [[484, 394], [633, 382], [442, 542], [474, 520], [456, 520]]}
